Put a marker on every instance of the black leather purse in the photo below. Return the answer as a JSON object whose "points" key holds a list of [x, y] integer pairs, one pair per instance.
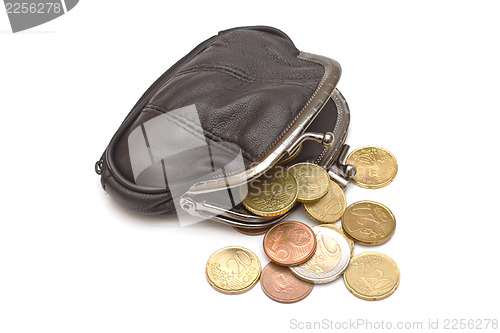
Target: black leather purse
{"points": [[235, 106]]}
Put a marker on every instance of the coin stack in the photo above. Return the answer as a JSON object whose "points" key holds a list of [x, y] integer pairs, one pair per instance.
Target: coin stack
{"points": [[302, 256]]}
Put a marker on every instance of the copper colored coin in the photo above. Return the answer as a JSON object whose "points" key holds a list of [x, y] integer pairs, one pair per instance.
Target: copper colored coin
{"points": [[280, 285], [290, 243], [251, 232]]}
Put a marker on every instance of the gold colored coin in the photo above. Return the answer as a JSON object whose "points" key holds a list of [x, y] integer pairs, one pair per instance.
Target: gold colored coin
{"points": [[329, 208], [288, 158], [372, 276], [273, 193], [339, 230], [375, 166], [369, 222], [233, 270], [312, 181]]}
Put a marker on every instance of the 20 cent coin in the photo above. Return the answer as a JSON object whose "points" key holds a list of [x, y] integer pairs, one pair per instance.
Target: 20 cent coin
{"points": [[233, 270], [369, 222]]}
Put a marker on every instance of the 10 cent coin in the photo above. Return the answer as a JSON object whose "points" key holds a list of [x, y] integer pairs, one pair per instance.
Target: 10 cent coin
{"points": [[329, 208]]}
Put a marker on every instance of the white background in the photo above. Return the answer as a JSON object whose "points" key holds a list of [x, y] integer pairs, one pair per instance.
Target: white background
{"points": [[421, 79]]}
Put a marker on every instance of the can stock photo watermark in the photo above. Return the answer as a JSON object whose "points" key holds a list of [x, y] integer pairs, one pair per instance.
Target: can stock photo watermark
{"points": [[26, 14], [370, 324]]}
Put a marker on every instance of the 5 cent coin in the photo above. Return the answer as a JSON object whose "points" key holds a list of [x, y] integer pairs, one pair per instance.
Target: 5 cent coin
{"points": [[289, 243], [279, 284]]}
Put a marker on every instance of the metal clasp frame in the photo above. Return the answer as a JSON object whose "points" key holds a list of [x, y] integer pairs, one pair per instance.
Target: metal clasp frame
{"points": [[332, 158]]}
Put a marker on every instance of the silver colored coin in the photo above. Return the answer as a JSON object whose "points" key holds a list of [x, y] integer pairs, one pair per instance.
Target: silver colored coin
{"points": [[329, 261]]}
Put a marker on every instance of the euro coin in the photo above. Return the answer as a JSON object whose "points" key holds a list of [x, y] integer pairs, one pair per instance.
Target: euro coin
{"points": [[329, 260], [340, 230], [312, 181], [233, 270], [329, 208], [280, 285], [252, 231], [372, 276], [273, 193], [368, 222], [289, 243], [375, 166], [288, 158]]}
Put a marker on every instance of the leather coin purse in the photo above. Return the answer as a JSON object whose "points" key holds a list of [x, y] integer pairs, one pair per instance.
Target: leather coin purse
{"points": [[238, 104]]}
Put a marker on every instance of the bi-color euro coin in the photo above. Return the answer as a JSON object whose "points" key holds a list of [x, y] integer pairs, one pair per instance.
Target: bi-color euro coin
{"points": [[329, 260]]}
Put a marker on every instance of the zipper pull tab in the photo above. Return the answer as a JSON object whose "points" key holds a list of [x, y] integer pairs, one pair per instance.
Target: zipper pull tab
{"points": [[98, 166]]}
